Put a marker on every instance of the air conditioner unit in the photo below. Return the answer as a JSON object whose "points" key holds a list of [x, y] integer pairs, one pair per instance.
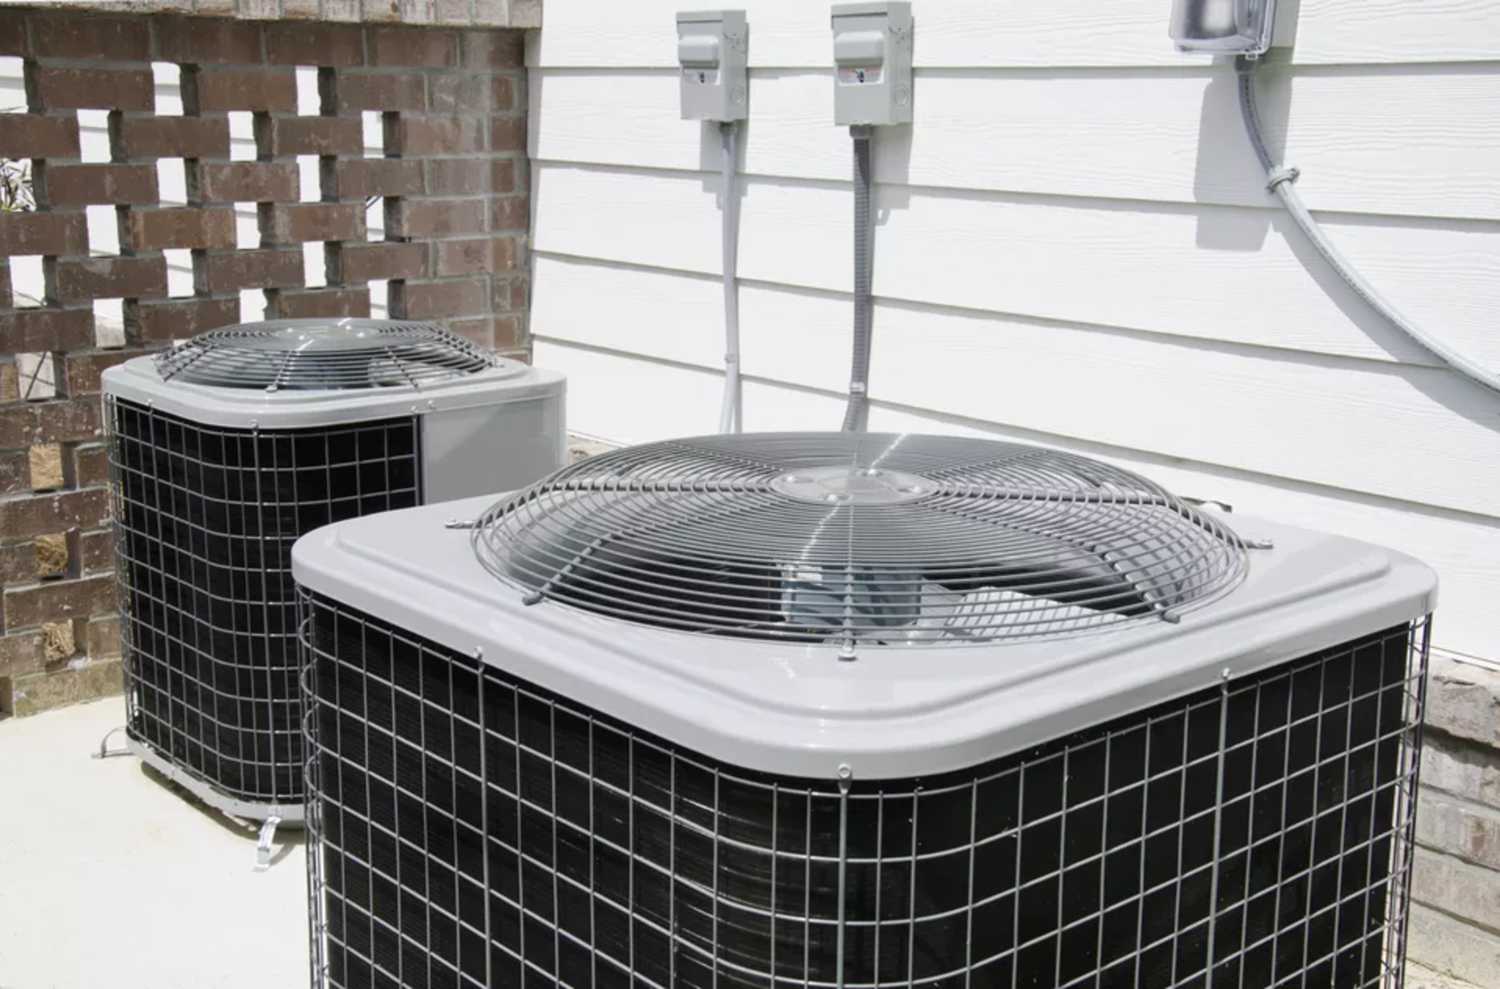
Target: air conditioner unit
{"points": [[226, 449], [853, 710]]}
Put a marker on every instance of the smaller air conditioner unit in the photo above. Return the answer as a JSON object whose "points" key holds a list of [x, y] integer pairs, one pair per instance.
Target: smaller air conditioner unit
{"points": [[855, 711], [223, 451]]}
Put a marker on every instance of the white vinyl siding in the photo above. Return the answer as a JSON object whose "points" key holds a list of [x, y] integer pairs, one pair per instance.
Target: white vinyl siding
{"points": [[1073, 246]]}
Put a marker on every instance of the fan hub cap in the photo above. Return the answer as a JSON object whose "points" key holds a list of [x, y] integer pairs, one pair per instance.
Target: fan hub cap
{"points": [[330, 336], [852, 486]]}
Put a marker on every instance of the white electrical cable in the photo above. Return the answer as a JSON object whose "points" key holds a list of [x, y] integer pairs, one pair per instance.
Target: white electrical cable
{"points": [[730, 413], [857, 412], [1281, 180]]}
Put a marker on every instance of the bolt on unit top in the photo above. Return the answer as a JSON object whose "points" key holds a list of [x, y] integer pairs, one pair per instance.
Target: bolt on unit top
{"points": [[713, 48], [1223, 27], [872, 44]]}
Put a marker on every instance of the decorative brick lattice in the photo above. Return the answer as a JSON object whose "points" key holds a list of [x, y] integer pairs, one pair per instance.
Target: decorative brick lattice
{"points": [[459, 13], [449, 186]]}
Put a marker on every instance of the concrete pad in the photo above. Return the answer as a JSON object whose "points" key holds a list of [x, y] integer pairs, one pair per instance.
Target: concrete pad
{"points": [[112, 879], [1418, 977]]}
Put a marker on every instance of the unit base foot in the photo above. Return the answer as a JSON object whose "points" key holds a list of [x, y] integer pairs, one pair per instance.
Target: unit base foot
{"points": [[104, 750], [263, 846]]}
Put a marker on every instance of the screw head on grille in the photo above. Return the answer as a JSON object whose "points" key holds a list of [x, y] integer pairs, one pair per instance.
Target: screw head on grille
{"points": [[867, 538], [324, 354]]}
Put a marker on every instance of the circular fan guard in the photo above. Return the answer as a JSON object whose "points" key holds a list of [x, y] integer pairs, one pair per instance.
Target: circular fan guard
{"points": [[323, 354], [859, 539]]}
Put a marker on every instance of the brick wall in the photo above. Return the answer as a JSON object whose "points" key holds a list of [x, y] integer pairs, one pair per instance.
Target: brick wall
{"points": [[1456, 881], [451, 184], [480, 13]]}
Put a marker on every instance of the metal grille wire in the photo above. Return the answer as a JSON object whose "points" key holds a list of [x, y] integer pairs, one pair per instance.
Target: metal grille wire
{"points": [[859, 538], [469, 830], [205, 519], [324, 354]]}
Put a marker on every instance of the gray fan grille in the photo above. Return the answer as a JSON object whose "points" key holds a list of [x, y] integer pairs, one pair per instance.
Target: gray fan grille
{"points": [[323, 354], [859, 539]]}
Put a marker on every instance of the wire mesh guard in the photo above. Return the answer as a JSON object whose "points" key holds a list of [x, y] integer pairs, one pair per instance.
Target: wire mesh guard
{"points": [[858, 538], [323, 354], [205, 519], [469, 830]]}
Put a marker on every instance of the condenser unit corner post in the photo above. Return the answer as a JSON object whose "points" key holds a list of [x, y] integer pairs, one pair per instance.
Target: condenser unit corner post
{"points": [[858, 709], [226, 449]]}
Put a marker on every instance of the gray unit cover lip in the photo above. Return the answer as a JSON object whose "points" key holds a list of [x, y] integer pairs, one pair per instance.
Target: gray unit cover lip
{"points": [[139, 380], [892, 713]]}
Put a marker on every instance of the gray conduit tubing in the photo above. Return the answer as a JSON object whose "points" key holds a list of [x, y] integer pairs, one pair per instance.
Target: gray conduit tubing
{"points": [[730, 411], [857, 415], [1282, 180]]}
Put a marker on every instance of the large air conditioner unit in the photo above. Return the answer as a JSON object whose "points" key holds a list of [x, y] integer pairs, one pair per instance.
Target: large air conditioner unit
{"points": [[854, 710], [226, 449]]}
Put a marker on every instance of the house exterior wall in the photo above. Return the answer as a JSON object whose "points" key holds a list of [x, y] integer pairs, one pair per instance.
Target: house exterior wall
{"points": [[1074, 247], [194, 172]]}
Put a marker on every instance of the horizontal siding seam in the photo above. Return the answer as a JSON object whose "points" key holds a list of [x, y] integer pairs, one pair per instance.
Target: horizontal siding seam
{"points": [[1062, 200], [1334, 361], [1352, 65], [1191, 69], [1292, 484]]}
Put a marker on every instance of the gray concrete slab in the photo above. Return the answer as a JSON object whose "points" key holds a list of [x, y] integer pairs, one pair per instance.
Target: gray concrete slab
{"points": [[1418, 977], [108, 878]]}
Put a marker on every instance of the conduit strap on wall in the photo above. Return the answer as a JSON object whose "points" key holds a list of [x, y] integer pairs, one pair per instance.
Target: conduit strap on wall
{"points": [[857, 414], [731, 412], [1282, 181]]}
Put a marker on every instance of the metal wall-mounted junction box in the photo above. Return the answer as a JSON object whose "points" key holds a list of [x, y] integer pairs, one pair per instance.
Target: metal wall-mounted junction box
{"points": [[872, 45], [713, 48], [1223, 27]]}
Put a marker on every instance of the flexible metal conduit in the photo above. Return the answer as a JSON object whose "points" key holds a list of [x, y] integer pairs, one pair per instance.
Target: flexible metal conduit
{"points": [[857, 414], [1282, 180], [730, 411]]}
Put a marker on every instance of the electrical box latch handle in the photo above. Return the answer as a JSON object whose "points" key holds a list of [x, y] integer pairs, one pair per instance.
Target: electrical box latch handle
{"points": [[698, 51]]}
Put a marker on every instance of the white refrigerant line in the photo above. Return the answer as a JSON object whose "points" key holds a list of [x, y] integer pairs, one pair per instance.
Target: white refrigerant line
{"points": [[856, 415], [731, 412]]}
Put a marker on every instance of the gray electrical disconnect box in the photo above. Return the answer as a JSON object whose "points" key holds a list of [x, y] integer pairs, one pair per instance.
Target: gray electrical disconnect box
{"points": [[712, 48], [872, 63]]}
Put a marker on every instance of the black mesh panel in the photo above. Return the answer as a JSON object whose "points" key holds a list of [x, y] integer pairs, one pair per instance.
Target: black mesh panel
{"points": [[206, 518], [471, 830]]}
